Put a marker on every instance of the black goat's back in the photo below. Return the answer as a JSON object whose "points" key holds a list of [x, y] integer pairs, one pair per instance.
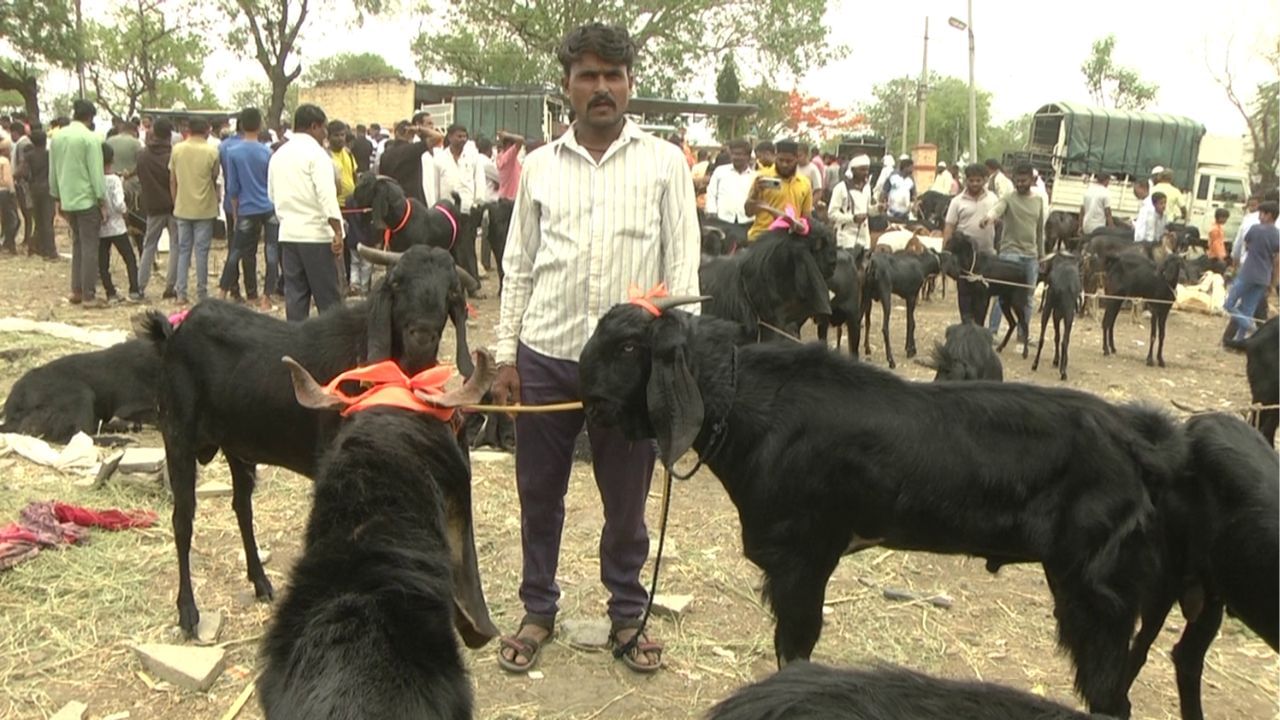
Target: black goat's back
{"points": [[805, 691], [1237, 471], [967, 355], [73, 393], [365, 630], [1262, 365]]}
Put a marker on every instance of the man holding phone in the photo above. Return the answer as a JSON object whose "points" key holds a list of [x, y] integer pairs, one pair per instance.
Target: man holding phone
{"points": [[779, 187]]}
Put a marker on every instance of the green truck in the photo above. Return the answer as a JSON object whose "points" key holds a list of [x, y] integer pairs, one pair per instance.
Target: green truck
{"points": [[1070, 142]]}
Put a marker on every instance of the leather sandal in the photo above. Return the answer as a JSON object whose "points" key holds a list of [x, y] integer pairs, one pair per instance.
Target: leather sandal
{"points": [[524, 647]]}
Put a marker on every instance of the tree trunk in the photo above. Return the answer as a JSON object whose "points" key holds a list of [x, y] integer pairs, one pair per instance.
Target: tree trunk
{"points": [[30, 92], [279, 85]]}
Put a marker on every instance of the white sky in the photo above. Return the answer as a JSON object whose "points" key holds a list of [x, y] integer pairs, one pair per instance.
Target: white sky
{"points": [[1026, 56]]}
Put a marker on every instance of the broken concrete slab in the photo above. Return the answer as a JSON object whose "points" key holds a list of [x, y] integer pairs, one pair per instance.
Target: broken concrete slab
{"points": [[585, 634], [73, 710], [263, 555], [491, 456], [190, 668], [671, 605], [213, 489], [142, 460], [209, 627]]}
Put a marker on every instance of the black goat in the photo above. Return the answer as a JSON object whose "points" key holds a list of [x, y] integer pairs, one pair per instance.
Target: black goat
{"points": [[779, 280], [966, 355], [715, 241], [387, 569], [890, 274], [221, 385], [81, 392], [1221, 527], [1061, 298], [1013, 298], [815, 451], [1058, 227], [806, 691], [1133, 274], [846, 301], [933, 209], [1262, 365], [409, 220]]}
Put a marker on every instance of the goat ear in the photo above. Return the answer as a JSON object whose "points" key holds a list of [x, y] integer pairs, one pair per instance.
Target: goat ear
{"points": [[307, 390], [810, 286], [379, 323], [675, 404], [379, 204]]}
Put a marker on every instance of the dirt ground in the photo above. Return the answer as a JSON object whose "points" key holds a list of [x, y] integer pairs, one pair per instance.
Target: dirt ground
{"points": [[68, 618]]}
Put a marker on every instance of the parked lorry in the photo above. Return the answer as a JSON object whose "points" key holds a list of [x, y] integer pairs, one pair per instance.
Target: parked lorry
{"points": [[1070, 143], [533, 116]]}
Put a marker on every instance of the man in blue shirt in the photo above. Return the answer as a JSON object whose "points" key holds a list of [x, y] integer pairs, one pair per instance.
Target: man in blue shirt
{"points": [[1259, 270], [246, 167]]}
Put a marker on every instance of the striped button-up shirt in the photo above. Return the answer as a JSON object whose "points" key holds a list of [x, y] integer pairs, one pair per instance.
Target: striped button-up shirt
{"points": [[582, 232]]}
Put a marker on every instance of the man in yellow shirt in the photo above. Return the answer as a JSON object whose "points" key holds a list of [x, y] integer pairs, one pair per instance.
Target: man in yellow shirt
{"points": [[1177, 208], [344, 168], [779, 187]]}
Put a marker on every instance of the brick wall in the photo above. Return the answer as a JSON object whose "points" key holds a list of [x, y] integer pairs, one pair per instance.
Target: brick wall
{"points": [[363, 102]]}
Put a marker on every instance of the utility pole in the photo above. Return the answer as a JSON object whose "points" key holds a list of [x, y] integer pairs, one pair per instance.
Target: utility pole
{"points": [[922, 89], [973, 95], [906, 111]]}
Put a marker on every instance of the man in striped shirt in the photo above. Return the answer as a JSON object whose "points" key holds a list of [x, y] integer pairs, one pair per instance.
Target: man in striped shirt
{"points": [[601, 208]]}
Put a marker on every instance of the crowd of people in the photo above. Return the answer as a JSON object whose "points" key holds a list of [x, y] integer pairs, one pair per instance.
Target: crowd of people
{"points": [[289, 193]]}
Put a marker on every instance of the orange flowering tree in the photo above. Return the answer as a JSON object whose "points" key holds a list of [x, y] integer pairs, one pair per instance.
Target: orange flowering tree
{"points": [[808, 116]]}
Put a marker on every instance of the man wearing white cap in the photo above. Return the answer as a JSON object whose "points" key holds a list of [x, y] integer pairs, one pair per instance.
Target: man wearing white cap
{"points": [[943, 182], [850, 205]]}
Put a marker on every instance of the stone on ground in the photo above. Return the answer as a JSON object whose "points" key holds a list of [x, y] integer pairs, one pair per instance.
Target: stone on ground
{"points": [[142, 460], [213, 489], [73, 710], [209, 627], [190, 668], [585, 634], [671, 605]]}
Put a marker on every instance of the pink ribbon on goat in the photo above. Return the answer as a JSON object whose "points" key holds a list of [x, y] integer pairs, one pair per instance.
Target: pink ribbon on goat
{"points": [[176, 319], [645, 299], [791, 223]]}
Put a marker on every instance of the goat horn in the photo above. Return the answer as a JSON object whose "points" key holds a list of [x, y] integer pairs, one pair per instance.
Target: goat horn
{"points": [[717, 231], [666, 303], [378, 257], [473, 390], [307, 390], [469, 283]]}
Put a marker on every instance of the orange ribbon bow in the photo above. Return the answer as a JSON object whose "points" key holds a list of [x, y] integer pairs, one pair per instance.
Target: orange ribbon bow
{"points": [[645, 299], [391, 387]]}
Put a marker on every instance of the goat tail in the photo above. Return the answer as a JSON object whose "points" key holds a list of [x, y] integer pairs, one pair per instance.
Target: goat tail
{"points": [[152, 326], [1159, 449]]}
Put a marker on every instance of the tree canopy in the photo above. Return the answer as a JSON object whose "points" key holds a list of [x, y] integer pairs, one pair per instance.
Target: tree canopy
{"points": [[36, 32], [514, 42], [1112, 85], [346, 67], [946, 119]]}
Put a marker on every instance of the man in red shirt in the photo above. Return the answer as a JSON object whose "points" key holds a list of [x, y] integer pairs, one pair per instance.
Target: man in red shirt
{"points": [[508, 163]]}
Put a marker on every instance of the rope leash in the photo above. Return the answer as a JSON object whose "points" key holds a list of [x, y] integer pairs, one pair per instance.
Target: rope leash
{"points": [[974, 277], [631, 644], [518, 409]]}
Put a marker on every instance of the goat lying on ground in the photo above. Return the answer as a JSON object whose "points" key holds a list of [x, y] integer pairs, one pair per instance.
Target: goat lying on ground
{"points": [[967, 355], [846, 301], [221, 386], [1262, 365], [890, 274], [85, 391], [813, 451], [1133, 274], [388, 567], [805, 691], [1013, 298], [1221, 528], [780, 279], [406, 221], [1061, 297]]}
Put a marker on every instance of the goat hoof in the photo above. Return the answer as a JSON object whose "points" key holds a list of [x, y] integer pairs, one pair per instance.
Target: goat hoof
{"points": [[892, 364], [1063, 376], [1035, 366], [1150, 362], [264, 591], [1160, 363], [911, 352], [188, 619]]}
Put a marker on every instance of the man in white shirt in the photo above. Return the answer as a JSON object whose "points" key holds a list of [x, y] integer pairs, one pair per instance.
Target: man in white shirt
{"points": [[456, 173], [998, 182], [486, 178], [850, 205], [886, 171], [944, 182], [1148, 227], [808, 168], [900, 192], [1095, 207], [603, 208], [301, 185], [727, 194]]}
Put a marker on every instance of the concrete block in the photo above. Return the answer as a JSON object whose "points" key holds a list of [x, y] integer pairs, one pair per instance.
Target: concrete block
{"points": [[209, 627], [142, 460], [190, 668], [213, 490], [585, 634]]}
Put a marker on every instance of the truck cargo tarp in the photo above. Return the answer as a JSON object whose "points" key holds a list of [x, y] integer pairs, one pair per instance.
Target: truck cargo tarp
{"points": [[1125, 142]]}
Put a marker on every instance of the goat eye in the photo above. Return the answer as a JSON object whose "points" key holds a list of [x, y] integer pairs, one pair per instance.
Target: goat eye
{"points": [[628, 347]]}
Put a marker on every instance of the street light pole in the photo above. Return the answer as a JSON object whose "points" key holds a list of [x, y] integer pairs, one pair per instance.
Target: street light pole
{"points": [[973, 95], [959, 24], [79, 49]]}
